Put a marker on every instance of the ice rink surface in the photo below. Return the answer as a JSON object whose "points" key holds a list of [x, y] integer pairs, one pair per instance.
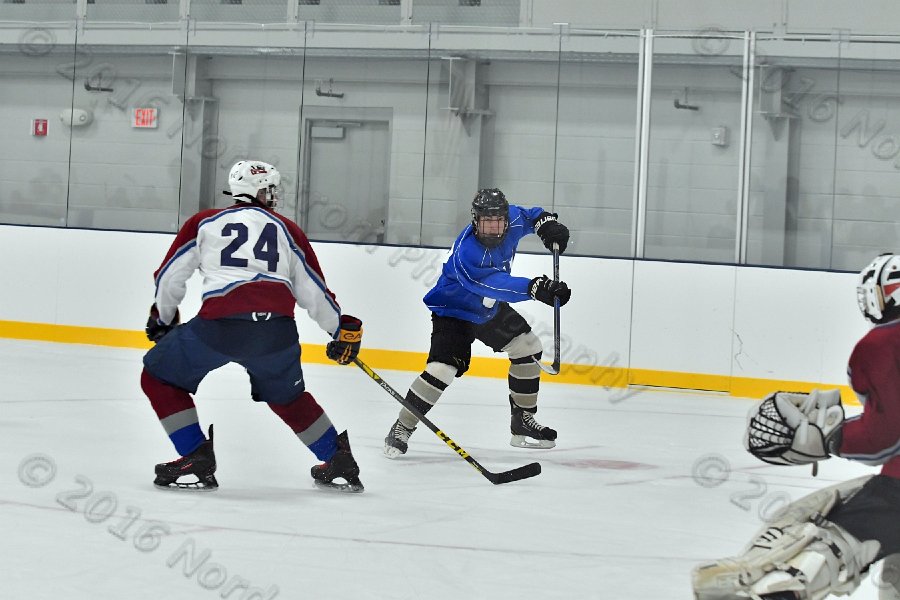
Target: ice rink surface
{"points": [[637, 491]]}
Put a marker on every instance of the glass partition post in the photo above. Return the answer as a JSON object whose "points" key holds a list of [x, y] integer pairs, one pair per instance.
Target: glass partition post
{"points": [[746, 139], [642, 144]]}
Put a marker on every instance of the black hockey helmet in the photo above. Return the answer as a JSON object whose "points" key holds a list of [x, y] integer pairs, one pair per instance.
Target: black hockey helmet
{"points": [[490, 204]]}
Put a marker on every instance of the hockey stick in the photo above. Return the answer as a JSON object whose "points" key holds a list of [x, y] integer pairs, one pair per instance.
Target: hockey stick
{"points": [[529, 470], [554, 368]]}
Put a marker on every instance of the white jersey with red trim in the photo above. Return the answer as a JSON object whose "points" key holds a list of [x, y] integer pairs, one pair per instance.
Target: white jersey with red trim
{"points": [[252, 260]]}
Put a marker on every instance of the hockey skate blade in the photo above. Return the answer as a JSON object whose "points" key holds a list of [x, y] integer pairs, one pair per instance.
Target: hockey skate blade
{"points": [[392, 453], [194, 486], [521, 441], [345, 488]]}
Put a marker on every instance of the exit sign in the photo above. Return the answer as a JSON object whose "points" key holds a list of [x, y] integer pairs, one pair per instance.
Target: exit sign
{"points": [[145, 118]]}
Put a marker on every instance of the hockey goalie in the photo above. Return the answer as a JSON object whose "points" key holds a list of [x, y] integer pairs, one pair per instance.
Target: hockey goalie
{"points": [[824, 544]]}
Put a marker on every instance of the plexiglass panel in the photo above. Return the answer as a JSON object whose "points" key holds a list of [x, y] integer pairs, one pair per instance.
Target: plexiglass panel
{"points": [[594, 172], [35, 11], [867, 166], [349, 11], [467, 12], [693, 173], [126, 157], [792, 160], [384, 133], [240, 11], [36, 71], [240, 103], [362, 129], [491, 123], [134, 11]]}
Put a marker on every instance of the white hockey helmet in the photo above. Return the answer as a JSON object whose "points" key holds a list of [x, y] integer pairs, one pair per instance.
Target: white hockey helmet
{"points": [[878, 290], [248, 177]]}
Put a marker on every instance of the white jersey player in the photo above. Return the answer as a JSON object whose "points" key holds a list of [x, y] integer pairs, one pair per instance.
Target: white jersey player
{"points": [[256, 265]]}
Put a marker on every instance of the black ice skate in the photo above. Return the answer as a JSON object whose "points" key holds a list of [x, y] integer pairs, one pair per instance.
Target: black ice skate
{"points": [[199, 464], [397, 440], [342, 465], [526, 432]]}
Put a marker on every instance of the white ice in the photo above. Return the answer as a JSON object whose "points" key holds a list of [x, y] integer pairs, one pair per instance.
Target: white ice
{"points": [[618, 512]]}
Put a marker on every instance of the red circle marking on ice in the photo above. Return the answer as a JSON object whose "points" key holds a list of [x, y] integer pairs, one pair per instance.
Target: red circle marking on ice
{"points": [[599, 463]]}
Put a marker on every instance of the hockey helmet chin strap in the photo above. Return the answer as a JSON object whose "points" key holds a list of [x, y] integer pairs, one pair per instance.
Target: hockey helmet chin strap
{"points": [[271, 198]]}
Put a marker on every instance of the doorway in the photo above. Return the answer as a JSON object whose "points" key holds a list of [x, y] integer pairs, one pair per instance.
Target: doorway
{"points": [[346, 177]]}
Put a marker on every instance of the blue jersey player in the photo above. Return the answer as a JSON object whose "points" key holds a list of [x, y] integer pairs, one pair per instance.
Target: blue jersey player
{"points": [[471, 300]]}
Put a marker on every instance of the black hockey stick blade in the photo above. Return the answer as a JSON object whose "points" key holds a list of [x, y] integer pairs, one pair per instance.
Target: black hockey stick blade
{"points": [[525, 472], [496, 478], [554, 368]]}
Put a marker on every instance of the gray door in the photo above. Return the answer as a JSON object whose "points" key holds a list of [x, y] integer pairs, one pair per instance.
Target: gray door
{"points": [[345, 192]]}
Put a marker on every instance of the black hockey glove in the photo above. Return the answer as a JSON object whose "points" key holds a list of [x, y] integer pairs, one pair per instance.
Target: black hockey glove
{"points": [[349, 338], [551, 231], [543, 289], [155, 328]]}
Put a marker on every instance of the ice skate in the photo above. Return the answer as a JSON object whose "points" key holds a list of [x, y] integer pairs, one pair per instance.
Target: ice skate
{"points": [[199, 464], [341, 466], [397, 440], [526, 432]]}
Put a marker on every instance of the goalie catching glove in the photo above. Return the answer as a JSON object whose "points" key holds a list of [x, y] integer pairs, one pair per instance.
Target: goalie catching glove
{"points": [[155, 328], [348, 338], [789, 428]]}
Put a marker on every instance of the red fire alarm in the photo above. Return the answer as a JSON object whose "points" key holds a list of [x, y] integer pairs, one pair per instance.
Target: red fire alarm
{"points": [[145, 118], [39, 127]]}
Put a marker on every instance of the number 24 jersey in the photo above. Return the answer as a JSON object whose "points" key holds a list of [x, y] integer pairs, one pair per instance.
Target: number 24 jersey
{"points": [[252, 260]]}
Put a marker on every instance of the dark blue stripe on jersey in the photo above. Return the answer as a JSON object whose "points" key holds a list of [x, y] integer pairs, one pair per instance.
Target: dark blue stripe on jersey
{"points": [[879, 457], [234, 284], [184, 249]]}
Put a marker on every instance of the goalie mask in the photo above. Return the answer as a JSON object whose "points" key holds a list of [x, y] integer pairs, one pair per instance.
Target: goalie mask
{"points": [[490, 217], [878, 291], [249, 178]]}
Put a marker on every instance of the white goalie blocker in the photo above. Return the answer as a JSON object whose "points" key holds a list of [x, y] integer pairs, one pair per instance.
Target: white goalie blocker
{"points": [[800, 555]]}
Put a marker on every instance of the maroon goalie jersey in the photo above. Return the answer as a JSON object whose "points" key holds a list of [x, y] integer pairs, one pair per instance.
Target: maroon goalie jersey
{"points": [[874, 370]]}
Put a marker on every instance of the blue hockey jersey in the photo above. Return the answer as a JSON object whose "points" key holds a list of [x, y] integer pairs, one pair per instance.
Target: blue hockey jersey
{"points": [[475, 278]]}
